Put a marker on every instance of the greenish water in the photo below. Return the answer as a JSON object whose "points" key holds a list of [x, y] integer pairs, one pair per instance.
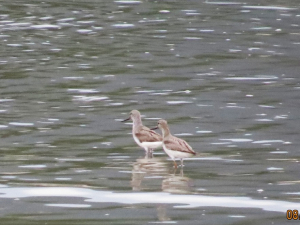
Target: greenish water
{"points": [[225, 75]]}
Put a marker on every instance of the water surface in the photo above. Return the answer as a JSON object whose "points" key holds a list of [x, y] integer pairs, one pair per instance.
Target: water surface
{"points": [[224, 74]]}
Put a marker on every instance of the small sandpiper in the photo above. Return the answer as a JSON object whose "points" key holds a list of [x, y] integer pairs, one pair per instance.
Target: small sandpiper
{"points": [[142, 135], [174, 146]]}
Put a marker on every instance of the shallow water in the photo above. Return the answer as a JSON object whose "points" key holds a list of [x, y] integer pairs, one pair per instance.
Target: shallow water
{"points": [[224, 74]]}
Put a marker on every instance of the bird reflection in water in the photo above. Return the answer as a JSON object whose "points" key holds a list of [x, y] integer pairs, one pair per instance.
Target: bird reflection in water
{"points": [[147, 169], [177, 183], [151, 173], [154, 171], [173, 183]]}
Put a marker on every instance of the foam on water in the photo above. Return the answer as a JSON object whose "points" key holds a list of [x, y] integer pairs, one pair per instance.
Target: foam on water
{"points": [[179, 201]]}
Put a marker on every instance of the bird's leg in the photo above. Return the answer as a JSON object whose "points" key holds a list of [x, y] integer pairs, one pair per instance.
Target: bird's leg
{"points": [[146, 156], [175, 164], [152, 150], [181, 160], [147, 152], [150, 153]]}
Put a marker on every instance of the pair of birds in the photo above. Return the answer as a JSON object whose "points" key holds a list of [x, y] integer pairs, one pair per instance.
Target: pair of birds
{"points": [[148, 139]]}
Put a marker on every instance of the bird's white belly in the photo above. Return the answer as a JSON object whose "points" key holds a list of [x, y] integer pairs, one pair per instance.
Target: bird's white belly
{"points": [[176, 154], [147, 145]]}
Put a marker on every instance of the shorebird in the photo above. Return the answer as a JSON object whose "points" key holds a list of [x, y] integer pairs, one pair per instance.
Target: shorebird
{"points": [[142, 135], [174, 146]]}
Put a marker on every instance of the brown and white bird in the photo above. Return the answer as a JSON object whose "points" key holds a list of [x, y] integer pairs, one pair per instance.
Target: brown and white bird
{"points": [[175, 147], [142, 135]]}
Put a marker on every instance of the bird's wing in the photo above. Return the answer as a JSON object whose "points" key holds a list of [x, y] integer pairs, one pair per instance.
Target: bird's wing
{"points": [[144, 134], [178, 144]]}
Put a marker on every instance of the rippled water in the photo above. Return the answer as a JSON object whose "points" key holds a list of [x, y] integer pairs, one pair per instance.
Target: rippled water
{"points": [[224, 74]]}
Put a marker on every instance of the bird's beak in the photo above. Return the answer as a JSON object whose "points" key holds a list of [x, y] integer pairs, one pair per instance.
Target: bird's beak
{"points": [[126, 119], [154, 128]]}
